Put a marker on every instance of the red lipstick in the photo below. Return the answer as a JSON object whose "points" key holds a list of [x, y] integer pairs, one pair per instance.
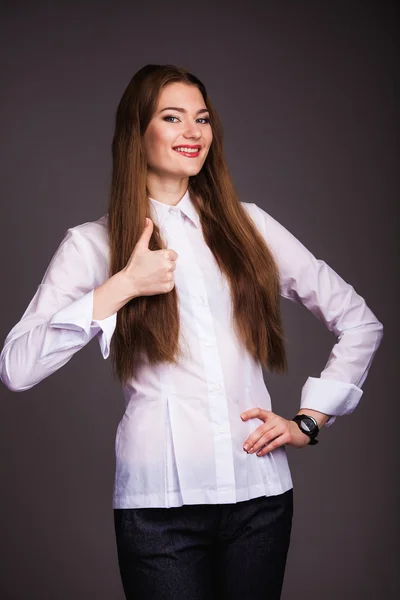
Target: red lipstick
{"points": [[188, 154]]}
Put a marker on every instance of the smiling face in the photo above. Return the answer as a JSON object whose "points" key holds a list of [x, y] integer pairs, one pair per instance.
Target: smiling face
{"points": [[171, 128]]}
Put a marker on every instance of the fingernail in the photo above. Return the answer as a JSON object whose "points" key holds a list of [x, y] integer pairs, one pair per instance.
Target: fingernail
{"points": [[246, 447]]}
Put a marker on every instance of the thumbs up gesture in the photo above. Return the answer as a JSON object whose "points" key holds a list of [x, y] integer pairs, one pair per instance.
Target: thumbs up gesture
{"points": [[149, 272]]}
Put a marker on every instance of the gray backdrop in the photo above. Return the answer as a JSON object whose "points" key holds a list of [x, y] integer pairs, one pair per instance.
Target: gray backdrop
{"points": [[306, 94]]}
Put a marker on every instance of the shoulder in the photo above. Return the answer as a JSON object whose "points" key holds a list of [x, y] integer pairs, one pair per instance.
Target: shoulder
{"points": [[249, 207], [84, 249], [91, 237], [287, 248], [261, 218], [95, 232]]}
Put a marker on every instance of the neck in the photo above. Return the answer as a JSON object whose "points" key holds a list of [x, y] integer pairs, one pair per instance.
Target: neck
{"points": [[167, 191]]}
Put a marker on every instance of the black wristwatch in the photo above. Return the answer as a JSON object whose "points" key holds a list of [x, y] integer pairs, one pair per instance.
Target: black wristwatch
{"points": [[309, 426]]}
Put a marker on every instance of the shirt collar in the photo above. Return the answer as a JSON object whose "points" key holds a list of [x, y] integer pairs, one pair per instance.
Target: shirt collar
{"points": [[185, 205]]}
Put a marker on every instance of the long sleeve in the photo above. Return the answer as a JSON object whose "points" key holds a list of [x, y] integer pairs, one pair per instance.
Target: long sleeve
{"points": [[311, 282], [58, 320]]}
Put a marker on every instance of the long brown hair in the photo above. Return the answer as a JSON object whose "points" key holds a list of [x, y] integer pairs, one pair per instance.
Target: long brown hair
{"points": [[149, 326]]}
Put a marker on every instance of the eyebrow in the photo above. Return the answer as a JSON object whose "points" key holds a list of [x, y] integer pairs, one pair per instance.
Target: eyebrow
{"points": [[183, 110]]}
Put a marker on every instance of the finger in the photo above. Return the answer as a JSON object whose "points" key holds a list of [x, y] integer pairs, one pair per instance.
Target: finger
{"points": [[255, 412], [265, 438], [171, 254], [143, 241], [257, 435], [279, 441]]}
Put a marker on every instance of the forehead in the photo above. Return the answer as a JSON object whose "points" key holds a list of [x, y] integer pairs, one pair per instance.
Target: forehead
{"points": [[180, 94]]}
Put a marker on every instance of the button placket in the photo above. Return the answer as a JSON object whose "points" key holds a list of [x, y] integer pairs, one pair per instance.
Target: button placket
{"points": [[204, 322]]}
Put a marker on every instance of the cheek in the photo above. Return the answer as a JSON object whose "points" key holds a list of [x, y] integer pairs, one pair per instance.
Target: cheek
{"points": [[208, 139], [158, 144]]}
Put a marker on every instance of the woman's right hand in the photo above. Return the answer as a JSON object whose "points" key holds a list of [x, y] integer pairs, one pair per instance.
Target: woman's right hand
{"points": [[149, 272]]}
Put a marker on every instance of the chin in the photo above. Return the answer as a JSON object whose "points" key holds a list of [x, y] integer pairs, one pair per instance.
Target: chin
{"points": [[190, 172]]}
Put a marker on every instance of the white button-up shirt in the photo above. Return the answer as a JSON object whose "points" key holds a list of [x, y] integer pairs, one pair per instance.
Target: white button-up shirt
{"points": [[180, 439]]}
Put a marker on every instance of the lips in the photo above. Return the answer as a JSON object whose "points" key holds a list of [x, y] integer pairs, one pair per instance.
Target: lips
{"points": [[188, 154], [187, 146]]}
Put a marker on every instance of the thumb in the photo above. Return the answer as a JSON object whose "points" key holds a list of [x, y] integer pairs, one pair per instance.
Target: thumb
{"points": [[143, 241]]}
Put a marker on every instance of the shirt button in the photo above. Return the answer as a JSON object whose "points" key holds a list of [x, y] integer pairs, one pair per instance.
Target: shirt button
{"points": [[173, 211], [209, 344], [217, 386], [198, 300], [221, 430]]}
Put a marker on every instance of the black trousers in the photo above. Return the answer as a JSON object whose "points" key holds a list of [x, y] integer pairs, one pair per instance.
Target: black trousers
{"points": [[205, 551]]}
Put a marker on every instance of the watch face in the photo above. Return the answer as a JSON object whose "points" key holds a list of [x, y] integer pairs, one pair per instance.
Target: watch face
{"points": [[307, 424]]}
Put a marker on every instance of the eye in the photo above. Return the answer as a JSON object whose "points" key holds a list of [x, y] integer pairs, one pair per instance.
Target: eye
{"points": [[206, 119]]}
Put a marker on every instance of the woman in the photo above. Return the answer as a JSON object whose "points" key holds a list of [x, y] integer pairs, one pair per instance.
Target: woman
{"points": [[181, 283]]}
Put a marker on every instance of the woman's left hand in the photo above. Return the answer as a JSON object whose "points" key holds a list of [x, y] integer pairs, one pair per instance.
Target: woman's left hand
{"points": [[275, 431]]}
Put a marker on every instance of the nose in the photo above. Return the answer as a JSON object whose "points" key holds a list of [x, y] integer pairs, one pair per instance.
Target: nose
{"points": [[192, 130]]}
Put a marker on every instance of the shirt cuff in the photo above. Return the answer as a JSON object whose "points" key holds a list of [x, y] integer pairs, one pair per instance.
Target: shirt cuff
{"points": [[330, 396], [77, 317], [107, 328]]}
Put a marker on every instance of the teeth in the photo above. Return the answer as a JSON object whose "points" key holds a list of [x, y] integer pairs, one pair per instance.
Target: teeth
{"points": [[184, 149]]}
